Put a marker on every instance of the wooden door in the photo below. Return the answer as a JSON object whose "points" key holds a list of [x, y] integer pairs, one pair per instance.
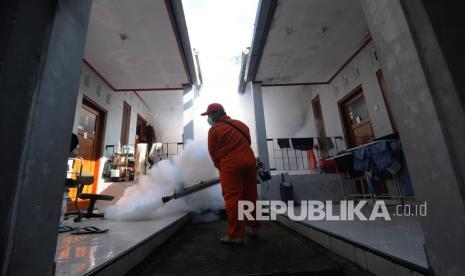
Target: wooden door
{"points": [[356, 120], [318, 114], [320, 127], [90, 135], [140, 130], [125, 124]]}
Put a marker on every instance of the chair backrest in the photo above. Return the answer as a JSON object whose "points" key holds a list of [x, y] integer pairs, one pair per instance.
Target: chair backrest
{"points": [[71, 183], [84, 181]]}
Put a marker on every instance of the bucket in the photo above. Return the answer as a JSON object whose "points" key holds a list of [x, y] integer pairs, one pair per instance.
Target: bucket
{"points": [[115, 173], [286, 189]]}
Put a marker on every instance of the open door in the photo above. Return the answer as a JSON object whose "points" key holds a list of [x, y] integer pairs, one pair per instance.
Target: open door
{"points": [[318, 114], [140, 130], [125, 123], [90, 135]]}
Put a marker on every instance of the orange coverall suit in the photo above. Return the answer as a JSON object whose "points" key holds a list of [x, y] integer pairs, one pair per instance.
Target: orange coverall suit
{"points": [[231, 153]]}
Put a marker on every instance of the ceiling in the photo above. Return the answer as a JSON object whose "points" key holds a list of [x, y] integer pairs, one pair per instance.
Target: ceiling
{"points": [[308, 41], [132, 44]]}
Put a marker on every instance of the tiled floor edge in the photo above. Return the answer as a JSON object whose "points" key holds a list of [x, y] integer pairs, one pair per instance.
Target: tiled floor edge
{"points": [[303, 228], [146, 246]]}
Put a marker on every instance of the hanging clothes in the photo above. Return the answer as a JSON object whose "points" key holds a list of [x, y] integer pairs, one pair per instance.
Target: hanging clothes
{"points": [[380, 157]]}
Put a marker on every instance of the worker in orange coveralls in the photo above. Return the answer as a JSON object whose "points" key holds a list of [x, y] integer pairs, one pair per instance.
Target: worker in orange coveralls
{"points": [[229, 147]]}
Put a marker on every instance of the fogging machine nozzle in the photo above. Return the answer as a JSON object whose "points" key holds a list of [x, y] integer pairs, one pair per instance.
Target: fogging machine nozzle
{"points": [[200, 186], [166, 199]]}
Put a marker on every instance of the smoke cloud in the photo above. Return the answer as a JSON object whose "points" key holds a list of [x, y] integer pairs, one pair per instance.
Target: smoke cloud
{"points": [[143, 200]]}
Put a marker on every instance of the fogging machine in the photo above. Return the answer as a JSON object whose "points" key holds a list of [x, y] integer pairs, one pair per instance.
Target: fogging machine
{"points": [[187, 191], [262, 173]]}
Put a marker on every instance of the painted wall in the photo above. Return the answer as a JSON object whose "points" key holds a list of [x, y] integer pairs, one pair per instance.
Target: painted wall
{"points": [[93, 88], [288, 109], [245, 113], [167, 109], [305, 187], [367, 66], [238, 106]]}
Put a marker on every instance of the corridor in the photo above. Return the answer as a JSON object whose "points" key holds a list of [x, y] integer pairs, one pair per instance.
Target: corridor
{"points": [[128, 126], [195, 250]]}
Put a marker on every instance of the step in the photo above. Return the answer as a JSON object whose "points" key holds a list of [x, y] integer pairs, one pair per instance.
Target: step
{"points": [[369, 258], [116, 252]]}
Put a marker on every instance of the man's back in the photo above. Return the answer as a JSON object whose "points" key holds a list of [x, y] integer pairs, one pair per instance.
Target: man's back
{"points": [[225, 142]]}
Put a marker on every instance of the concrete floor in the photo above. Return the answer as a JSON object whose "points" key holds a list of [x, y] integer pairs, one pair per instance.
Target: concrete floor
{"points": [[196, 250], [82, 254]]}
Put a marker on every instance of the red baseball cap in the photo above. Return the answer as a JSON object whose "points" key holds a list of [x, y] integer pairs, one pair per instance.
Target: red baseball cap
{"points": [[213, 107]]}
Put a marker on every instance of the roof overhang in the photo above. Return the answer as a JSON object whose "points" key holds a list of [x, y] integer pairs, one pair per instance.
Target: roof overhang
{"points": [[304, 42], [140, 45]]}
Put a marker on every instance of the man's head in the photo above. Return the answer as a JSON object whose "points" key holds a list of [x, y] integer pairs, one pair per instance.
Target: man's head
{"points": [[74, 146], [214, 112]]}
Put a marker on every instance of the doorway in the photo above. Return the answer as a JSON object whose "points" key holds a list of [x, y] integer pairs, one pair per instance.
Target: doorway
{"points": [[324, 144], [140, 130], [318, 114], [356, 120], [125, 124], [90, 135]]}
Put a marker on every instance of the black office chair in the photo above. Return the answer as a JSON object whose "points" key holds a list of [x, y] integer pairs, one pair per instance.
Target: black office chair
{"points": [[80, 182]]}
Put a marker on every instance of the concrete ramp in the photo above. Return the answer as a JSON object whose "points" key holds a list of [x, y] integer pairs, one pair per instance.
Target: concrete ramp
{"points": [[196, 250]]}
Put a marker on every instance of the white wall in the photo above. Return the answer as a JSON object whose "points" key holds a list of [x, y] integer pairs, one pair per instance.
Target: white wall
{"points": [[168, 114], [246, 113], [330, 110], [288, 109], [112, 103], [238, 106], [377, 110]]}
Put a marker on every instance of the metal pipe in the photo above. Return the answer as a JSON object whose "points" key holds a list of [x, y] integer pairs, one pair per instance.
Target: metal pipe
{"points": [[197, 187]]}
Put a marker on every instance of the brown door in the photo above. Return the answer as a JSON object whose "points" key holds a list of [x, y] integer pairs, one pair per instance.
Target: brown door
{"points": [[90, 135], [125, 124], [140, 130], [318, 114], [382, 85], [356, 121]]}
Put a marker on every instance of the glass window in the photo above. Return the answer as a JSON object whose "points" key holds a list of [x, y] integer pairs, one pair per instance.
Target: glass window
{"points": [[358, 111], [87, 121]]}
